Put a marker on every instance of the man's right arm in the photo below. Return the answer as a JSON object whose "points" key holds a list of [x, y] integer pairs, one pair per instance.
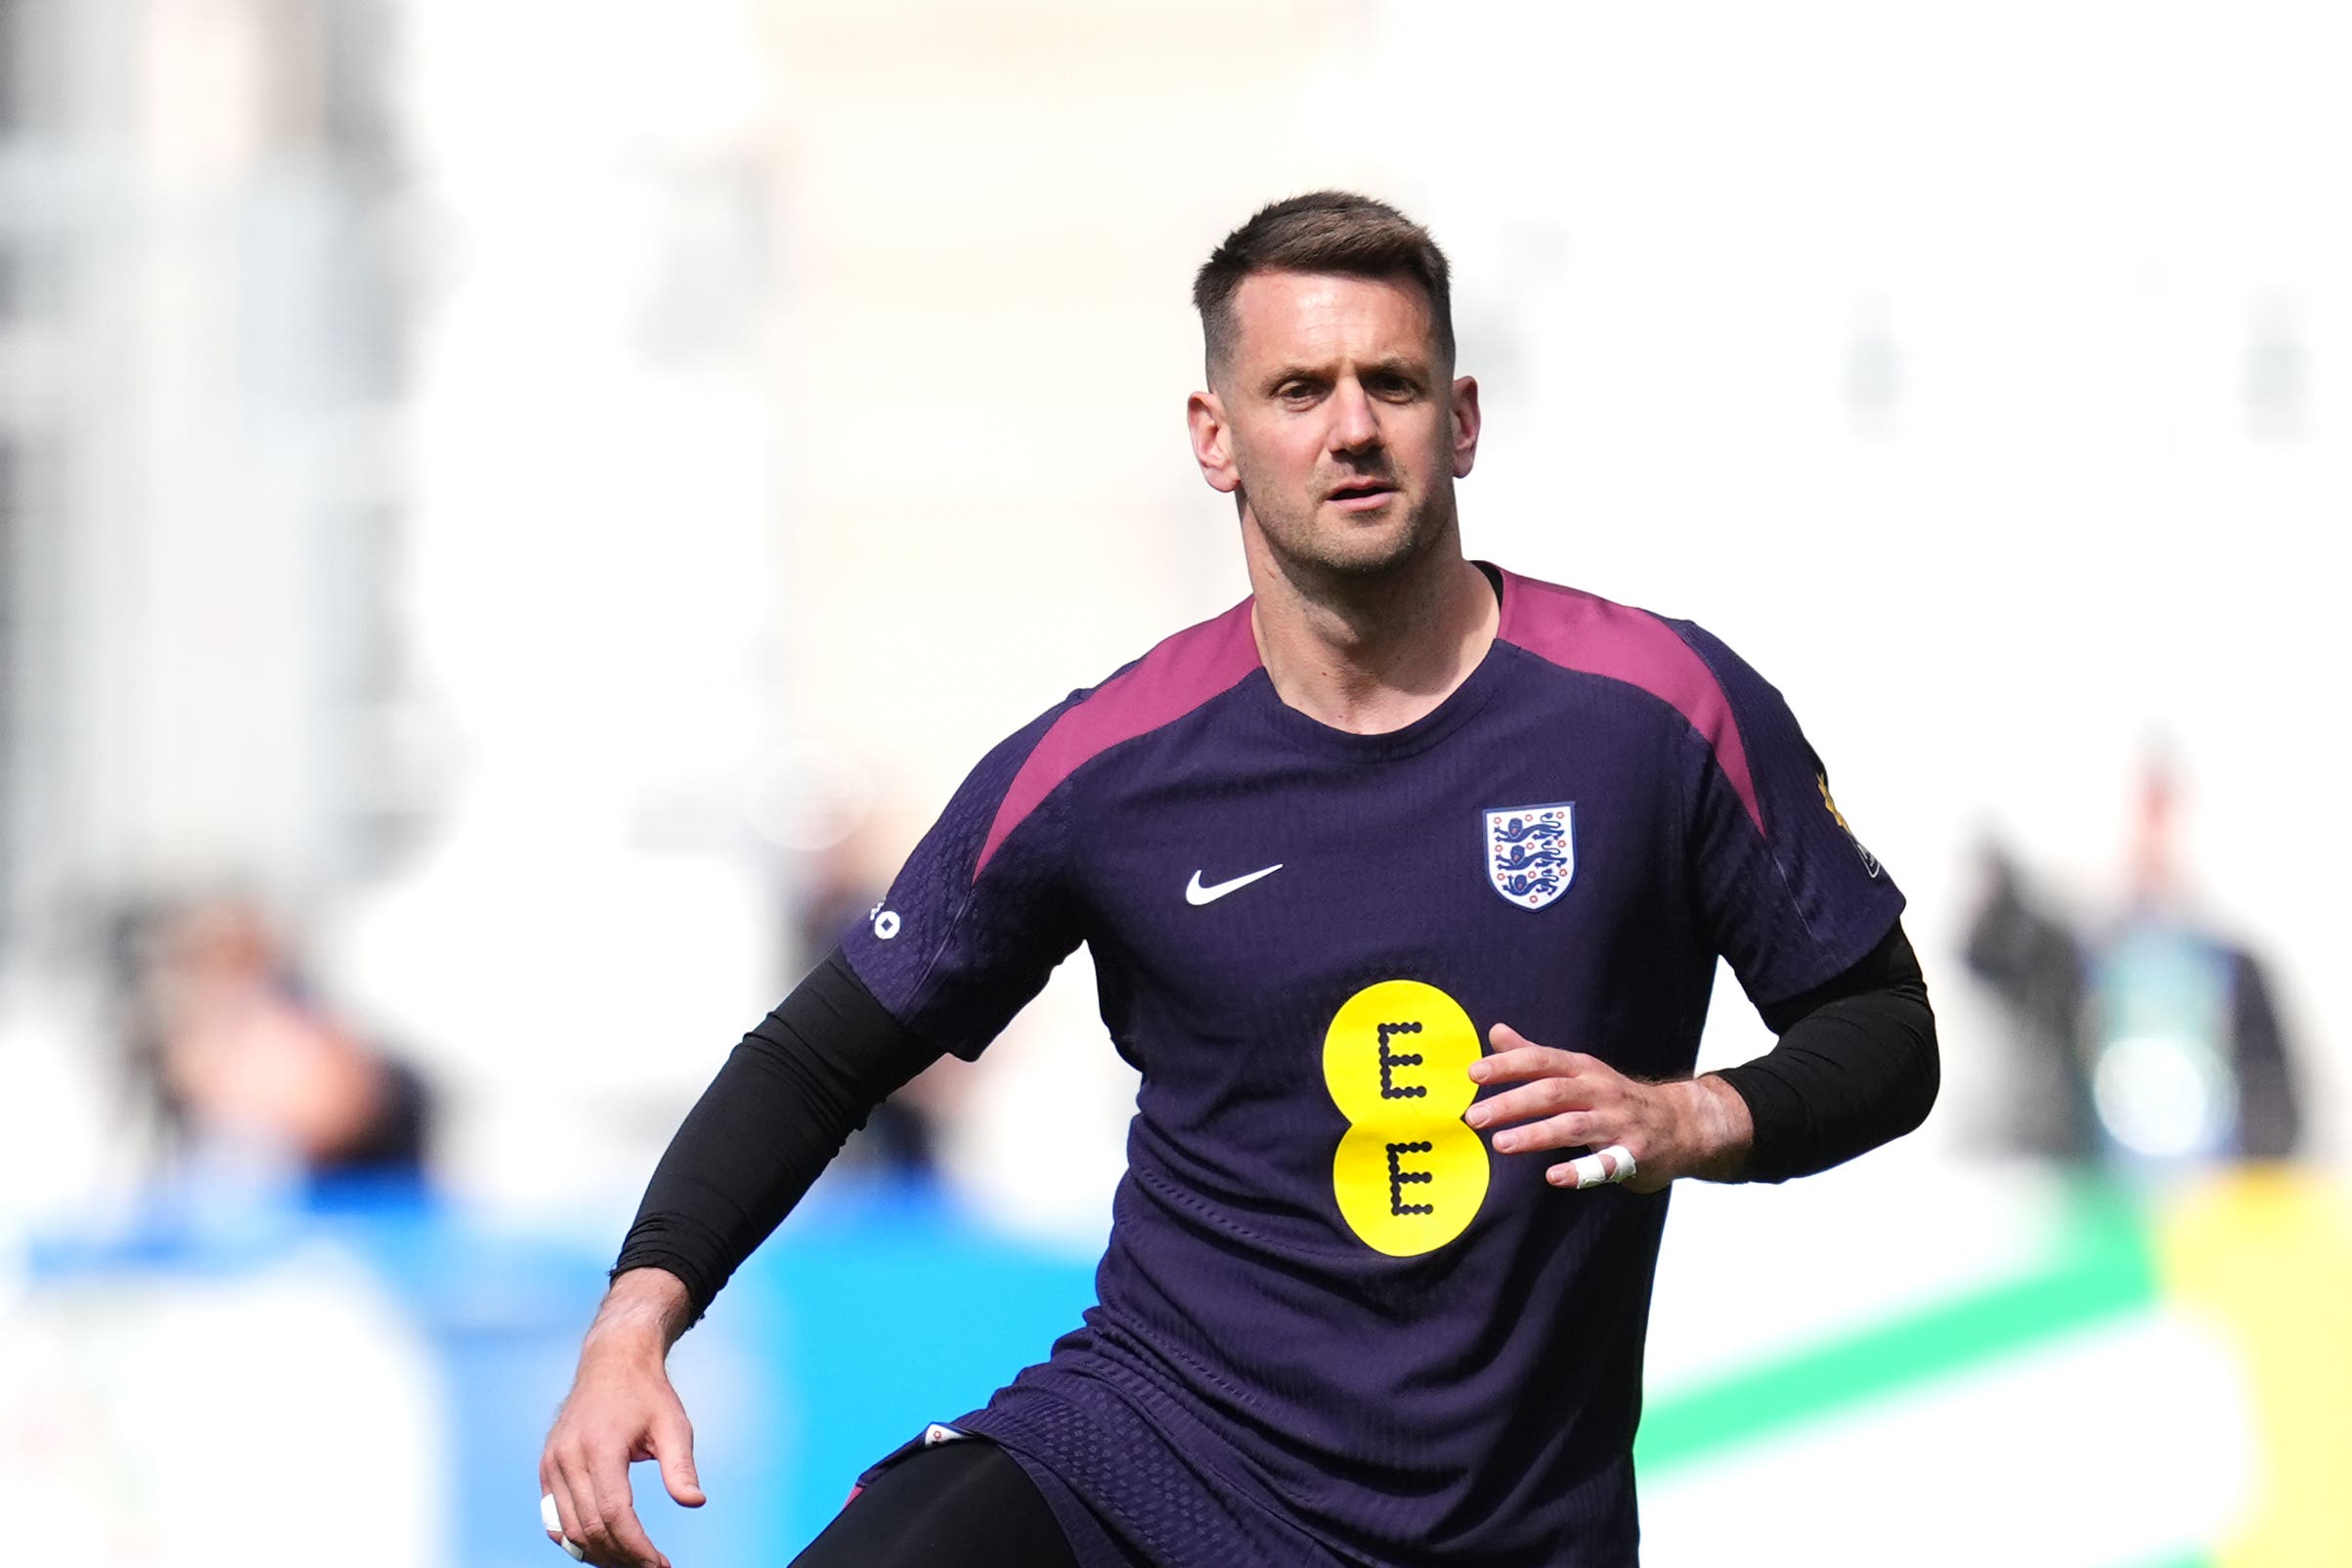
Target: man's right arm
{"points": [[779, 1109], [974, 923]]}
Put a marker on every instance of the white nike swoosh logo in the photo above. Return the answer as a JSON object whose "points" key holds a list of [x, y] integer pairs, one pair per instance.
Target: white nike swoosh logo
{"points": [[1197, 894]]}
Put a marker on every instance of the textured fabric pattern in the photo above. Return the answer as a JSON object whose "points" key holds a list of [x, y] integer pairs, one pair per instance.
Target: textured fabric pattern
{"points": [[1332, 1325]]}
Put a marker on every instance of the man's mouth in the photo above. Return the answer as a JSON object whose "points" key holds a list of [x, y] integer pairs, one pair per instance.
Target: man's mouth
{"points": [[1363, 492]]}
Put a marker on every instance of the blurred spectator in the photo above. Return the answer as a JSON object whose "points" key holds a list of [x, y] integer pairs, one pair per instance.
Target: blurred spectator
{"points": [[2034, 963], [240, 1061], [2154, 1042]]}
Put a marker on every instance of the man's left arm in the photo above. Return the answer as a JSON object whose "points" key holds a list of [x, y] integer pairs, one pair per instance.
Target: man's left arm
{"points": [[1855, 1066]]}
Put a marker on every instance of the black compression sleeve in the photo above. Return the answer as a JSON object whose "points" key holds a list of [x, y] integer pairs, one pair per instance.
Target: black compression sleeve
{"points": [[1856, 1066], [788, 1095]]}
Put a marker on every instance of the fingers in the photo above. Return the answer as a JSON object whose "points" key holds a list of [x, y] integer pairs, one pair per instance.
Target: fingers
{"points": [[1614, 1163], [1503, 1037], [616, 1538], [1544, 1097], [555, 1498], [1572, 1129], [595, 1510], [552, 1522], [1555, 1085], [1564, 1100], [1515, 1060], [1509, 1043], [673, 1447]]}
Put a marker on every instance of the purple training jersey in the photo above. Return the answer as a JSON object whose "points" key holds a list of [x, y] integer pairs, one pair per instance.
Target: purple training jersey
{"points": [[1333, 1326]]}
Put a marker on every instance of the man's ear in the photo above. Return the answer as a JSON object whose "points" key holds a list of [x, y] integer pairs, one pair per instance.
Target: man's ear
{"points": [[1212, 442], [1465, 425]]}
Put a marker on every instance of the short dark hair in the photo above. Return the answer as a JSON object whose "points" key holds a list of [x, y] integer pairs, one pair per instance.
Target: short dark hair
{"points": [[1325, 231]]}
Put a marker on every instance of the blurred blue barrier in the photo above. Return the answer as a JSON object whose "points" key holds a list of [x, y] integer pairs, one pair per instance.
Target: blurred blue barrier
{"points": [[876, 1309]]}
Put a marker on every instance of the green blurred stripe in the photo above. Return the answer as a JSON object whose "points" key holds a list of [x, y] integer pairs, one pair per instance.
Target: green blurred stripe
{"points": [[2103, 1271]]}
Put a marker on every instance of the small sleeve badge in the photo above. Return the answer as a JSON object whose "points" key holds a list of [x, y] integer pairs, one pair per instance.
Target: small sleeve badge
{"points": [[1869, 861]]}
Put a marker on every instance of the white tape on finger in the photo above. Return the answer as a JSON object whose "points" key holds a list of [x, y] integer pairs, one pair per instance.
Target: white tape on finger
{"points": [[1611, 1164], [553, 1522]]}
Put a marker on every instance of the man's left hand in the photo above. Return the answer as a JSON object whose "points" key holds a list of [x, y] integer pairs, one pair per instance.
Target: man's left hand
{"points": [[1567, 1100]]}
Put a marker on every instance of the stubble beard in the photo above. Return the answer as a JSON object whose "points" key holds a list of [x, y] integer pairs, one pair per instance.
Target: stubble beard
{"points": [[1315, 549]]}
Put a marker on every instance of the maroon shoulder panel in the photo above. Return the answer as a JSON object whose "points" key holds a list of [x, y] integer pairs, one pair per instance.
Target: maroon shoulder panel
{"points": [[1582, 631], [1175, 678]]}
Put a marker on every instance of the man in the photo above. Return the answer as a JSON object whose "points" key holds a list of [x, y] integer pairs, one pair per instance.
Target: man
{"points": [[2153, 1040], [1362, 1301]]}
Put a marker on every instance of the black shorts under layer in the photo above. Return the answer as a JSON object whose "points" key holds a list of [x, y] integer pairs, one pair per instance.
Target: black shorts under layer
{"points": [[965, 1504]]}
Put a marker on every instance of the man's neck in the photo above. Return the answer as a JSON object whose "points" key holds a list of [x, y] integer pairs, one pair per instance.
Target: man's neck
{"points": [[1373, 657]]}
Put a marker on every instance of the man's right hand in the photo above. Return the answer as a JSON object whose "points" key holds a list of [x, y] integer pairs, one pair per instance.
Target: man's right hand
{"points": [[622, 1409]]}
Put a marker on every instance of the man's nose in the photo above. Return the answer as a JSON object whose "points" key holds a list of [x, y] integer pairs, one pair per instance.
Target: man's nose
{"points": [[1354, 424]]}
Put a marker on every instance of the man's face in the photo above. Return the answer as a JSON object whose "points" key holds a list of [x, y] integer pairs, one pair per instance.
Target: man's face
{"points": [[1332, 416]]}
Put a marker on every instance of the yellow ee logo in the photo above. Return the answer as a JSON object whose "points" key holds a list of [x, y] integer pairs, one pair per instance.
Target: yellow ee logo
{"points": [[1409, 1174]]}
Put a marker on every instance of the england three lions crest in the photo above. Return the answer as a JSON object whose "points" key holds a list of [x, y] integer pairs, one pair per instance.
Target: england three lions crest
{"points": [[1531, 852]]}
